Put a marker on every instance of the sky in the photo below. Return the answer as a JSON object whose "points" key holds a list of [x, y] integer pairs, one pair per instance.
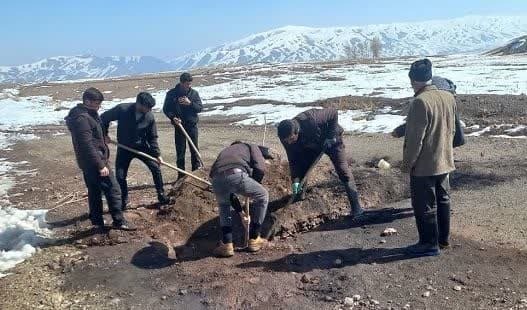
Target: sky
{"points": [[33, 30]]}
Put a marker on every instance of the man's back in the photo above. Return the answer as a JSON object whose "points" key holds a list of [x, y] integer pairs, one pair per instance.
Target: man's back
{"points": [[431, 128]]}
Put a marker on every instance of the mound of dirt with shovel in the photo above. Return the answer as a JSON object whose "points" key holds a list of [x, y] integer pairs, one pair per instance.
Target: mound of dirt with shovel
{"points": [[191, 222]]}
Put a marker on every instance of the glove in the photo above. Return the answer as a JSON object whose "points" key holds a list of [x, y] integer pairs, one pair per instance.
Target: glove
{"points": [[329, 143], [296, 188]]}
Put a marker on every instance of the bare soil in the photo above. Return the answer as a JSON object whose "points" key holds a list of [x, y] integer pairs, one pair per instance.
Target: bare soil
{"points": [[317, 257]]}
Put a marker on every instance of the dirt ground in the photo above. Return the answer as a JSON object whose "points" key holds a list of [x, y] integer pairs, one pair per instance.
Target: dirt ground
{"points": [[318, 259]]}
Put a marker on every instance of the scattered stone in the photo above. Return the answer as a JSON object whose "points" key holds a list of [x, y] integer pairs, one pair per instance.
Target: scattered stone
{"points": [[183, 292], [328, 298], [375, 302], [382, 241], [426, 294], [348, 301], [457, 288], [163, 297], [337, 262], [407, 306], [389, 232], [356, 297], [305, 279], [523, 301]]}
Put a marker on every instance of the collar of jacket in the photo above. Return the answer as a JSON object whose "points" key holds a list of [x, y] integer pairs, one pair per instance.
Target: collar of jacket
{"points": [[425, 89]]}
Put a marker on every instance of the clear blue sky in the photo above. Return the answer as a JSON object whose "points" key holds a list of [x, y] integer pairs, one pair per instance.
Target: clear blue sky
{"points": [[31, 30]]}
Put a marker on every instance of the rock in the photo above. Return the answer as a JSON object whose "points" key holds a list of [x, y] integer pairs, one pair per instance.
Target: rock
{"points": [[389, 232], [382, 241], [523, 301], [53, 266], [337, 262], [328, 298], [163, 297], [183, 292], [305, 279], [348, 301], [426, 294], [374, 302], [457, 288], [356, 297], [407, 306]]}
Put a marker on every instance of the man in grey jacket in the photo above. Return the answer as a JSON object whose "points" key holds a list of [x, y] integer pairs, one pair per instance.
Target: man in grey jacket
{"points": [[428, 157], [239, 170]]}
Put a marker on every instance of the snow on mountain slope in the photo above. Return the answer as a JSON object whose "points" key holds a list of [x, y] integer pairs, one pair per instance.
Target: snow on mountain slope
{"points": [[77, 67], [516, 46], [299, 44]]}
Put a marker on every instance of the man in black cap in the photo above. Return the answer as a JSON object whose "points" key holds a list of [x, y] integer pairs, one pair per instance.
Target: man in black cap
{"points": [[306, 137], [429, 158], [239, 170], [92, 154], [182, 105], [136, 128]]}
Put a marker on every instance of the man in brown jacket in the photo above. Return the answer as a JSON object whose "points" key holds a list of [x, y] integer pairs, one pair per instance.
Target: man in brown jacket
{"points": [[429, 158], [239, 170], [92, 157], [309, 135]]}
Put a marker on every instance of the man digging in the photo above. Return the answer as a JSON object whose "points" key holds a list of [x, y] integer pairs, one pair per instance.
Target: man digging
{"points": [[92, 155], [428, 157], [305, 138], [239, 170], [136, 128]]}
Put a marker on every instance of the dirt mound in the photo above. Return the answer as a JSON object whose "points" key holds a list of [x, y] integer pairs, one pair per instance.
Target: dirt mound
{"points": [[192, 219]]}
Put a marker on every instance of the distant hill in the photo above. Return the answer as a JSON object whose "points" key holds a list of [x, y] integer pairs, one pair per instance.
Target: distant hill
{"points": [[516, 46]]}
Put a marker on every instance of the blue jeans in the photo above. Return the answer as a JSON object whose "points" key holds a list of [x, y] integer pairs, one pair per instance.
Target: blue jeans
{"points": [[241, 184]]}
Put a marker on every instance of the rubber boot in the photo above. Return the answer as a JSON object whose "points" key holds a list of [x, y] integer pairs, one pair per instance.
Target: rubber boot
{"points": [[353, 197], [443, 225], [428, 236]]}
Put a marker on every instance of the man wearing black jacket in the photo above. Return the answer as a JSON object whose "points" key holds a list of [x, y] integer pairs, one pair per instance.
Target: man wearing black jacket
{"points": [[92, 155], [136, 128], [182, 105]]}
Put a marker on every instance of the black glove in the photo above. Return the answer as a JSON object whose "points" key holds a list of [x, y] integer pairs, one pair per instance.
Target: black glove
{"points": [[235, 203]]}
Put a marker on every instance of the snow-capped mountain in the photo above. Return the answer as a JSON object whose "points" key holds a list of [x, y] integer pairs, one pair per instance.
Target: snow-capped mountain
{"points": [[516, 46], [299, 44], [81, 67]]}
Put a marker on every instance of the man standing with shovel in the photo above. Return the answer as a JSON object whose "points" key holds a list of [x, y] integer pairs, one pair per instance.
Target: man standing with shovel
{"points": [[305, 138], [239, 170], [136, 128], [182, 105]]}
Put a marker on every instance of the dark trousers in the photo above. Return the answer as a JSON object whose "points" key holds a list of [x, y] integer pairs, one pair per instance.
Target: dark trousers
{"points": [[337, 155], [430, 201], [181, 146], [122, 163], [98, 185]]}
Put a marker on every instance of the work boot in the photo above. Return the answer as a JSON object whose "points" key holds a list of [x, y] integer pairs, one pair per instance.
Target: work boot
{"points": [[224, 250], [444, 246], [163, 199], [428, 235], [256, 245], [124, 225], [125, 205], [357, 212]]}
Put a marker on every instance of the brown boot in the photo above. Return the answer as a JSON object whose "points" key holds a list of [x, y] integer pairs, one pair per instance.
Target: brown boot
{"points": [[256, 245], [224, 250]]}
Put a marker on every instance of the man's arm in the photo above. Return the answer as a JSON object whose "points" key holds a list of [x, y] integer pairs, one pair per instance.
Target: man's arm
{"points": [[152, 138], [257, 163], [293, 161], [169, 106], [416, 125], [84, 138], [107, 117], [195, 102], [459, 135]]}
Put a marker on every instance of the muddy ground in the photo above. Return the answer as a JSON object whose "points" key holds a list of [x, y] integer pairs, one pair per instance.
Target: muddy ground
{"points": [[336, 258]]}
